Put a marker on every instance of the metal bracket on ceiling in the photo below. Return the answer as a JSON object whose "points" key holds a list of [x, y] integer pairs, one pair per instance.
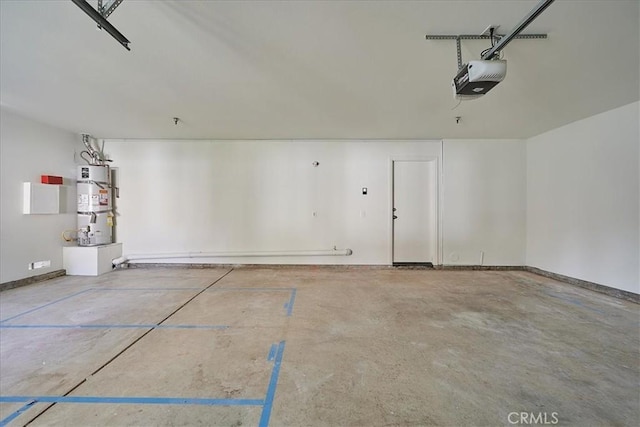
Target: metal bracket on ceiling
{"points": [[460, 37], [99, 16], [503, 40], [108, 7]]}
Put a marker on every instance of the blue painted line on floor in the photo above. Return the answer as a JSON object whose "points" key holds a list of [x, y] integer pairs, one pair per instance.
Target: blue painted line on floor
{"points": [[271, 390], [193, 326], [17, 413], [272, 352], [289, 305], [573, 301], [45, 305], [253, 289], [134, 400], [150, 326], [150, 289]]}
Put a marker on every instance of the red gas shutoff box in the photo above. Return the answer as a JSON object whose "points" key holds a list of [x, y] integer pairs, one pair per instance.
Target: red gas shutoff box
{"points": [[51, 179]]}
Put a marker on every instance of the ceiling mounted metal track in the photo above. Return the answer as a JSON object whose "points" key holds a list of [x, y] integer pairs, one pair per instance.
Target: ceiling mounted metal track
{"points": [[100, 17], [503, 40], [528, 19]]}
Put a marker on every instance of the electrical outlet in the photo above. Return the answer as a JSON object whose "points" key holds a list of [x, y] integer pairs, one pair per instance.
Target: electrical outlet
{"points": [[39, 264]]}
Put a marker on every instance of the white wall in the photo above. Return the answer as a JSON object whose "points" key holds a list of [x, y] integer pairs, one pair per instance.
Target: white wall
{"points": [[210, 196], [583, 208], [484, 202], [27, 150]]}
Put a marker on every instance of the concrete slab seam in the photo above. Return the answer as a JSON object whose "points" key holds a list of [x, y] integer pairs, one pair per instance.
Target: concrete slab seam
{"points": [[97, 290], [287, 306], [127, 347], [275, 354]]}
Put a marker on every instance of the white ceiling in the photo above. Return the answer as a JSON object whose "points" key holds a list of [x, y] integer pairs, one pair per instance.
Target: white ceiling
{"points": [[311, 69]]}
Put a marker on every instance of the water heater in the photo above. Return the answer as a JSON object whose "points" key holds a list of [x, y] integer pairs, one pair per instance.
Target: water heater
{"points": [[95, 209]]}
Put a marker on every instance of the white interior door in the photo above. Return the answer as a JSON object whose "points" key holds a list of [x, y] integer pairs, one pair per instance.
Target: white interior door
{"points": [[415, 208]]}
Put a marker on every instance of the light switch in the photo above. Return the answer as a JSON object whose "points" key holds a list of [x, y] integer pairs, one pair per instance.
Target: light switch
{"points": [[364, 191]]}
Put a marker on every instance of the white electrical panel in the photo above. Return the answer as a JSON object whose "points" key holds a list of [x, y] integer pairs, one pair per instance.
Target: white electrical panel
{"points": [[41, 198]]}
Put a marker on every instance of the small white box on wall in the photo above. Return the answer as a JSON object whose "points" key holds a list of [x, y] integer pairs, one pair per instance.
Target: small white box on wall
{"points": [[41, 198]]}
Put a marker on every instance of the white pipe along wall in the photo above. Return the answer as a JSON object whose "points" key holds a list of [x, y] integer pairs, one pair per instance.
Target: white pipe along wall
{"points": [[139, 257]]}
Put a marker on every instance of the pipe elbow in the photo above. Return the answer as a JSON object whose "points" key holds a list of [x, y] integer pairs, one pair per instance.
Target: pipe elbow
{"points": [[118, 261]]}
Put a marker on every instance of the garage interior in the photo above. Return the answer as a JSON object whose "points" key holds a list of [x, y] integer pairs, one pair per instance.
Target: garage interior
{"points": [[306, 227]]}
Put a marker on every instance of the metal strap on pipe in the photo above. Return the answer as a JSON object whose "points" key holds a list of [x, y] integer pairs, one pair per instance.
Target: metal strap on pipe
{"points": [[94, 212], [89, 181]]}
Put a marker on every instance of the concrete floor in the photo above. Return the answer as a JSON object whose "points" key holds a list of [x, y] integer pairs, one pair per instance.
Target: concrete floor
{"points": [[316, 347]]}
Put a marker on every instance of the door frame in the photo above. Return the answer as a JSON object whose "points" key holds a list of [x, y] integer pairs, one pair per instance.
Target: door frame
{"points": [[438, 189]]}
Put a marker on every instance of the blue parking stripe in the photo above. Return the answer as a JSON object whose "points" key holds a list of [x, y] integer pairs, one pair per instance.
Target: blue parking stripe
{"points": [[149, 289], [272, 352], [289, 306], [253, 289], [271, 390], [17, 413], [133, 400], [149, 326], [46, 305]]}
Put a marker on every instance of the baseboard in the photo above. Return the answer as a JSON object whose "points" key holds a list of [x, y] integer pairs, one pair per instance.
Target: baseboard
{"points": [[481, 267], [413, 265], [259, 266], [596, 287], [32, 279]]}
